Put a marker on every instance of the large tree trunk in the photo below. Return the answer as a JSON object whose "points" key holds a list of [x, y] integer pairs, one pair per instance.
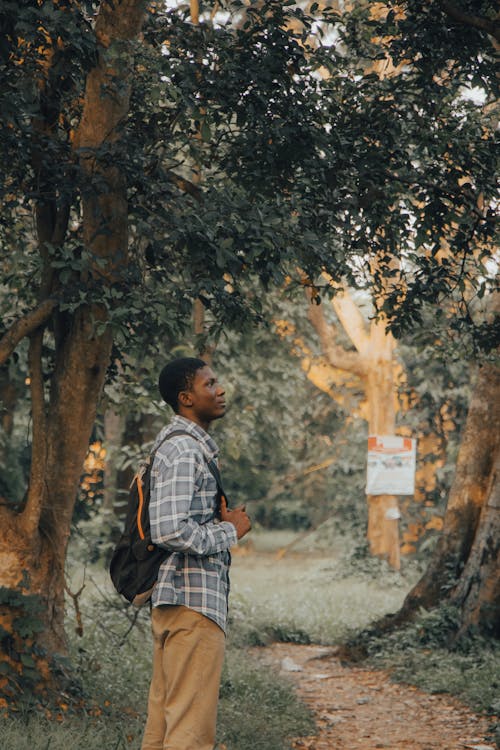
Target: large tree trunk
{"points": [[374, 363], [381, 389], [32, 553], [465, 569], [34, 542]]}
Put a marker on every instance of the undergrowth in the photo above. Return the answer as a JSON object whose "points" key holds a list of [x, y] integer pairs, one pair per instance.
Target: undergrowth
{"points": [[304, 598], [312, 599], [257, 710], [112, 658], [425, 653]]}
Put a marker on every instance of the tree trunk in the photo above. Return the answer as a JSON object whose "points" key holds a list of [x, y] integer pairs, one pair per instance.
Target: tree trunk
{"points": [[375, 364], [32, 555], [33, 544], [380, 388], [114, 426], [464, 569], [478, 591], [8, 399]]}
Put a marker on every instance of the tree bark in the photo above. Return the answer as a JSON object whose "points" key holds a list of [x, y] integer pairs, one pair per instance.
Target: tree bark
{"points": [[374, 363], [34, 542], [381, 391], [24, 327], [114, 426], [464, 569], [478, 591]]}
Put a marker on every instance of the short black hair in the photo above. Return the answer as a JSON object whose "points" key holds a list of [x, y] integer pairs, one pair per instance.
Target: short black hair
{"points": [[177, 376]]}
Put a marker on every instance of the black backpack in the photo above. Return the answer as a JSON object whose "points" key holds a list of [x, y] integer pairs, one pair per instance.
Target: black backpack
{"points": [[136, 561]]}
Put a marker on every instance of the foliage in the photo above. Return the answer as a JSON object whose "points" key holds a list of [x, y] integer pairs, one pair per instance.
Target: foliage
{"points": [[419, 140], [320, 173], [27, 671], [335, 169], [276, 428], [425, 654], [180, 248], [306, 450], [294, 455]]}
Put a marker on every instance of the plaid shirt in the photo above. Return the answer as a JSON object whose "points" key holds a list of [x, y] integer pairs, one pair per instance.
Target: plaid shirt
{"points": [[182, 516]]}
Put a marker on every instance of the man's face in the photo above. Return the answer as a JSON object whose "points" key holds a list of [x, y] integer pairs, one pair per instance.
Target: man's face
{"points": [[205, 399]]}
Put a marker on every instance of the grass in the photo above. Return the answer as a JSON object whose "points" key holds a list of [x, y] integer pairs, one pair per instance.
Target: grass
{"points": [[311, 594], [307, 596], [257, 710], [419, 654], [473, 677], [38, 733]]}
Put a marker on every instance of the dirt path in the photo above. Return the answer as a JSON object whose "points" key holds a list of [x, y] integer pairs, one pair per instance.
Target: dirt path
{"points": [[361, 709]]}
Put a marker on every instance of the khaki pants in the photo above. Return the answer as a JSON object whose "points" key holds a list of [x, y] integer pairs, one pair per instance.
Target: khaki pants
{"points": [[188, 652]]}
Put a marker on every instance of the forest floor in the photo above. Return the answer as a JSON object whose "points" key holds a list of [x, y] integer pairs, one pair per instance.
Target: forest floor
{"points": [[362, 709]]}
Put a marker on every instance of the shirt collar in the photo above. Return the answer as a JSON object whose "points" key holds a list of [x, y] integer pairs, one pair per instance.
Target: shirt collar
{"points": [[209, 446]]}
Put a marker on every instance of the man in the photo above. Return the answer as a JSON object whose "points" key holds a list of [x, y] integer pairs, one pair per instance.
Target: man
{"points": [[189, 602]]}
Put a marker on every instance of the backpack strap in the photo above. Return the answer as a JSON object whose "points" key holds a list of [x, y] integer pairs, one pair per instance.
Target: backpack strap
{"points": [[212, 466]]}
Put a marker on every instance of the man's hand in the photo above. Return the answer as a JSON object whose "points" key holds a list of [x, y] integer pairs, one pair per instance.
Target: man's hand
{"points": [[237, 517]]}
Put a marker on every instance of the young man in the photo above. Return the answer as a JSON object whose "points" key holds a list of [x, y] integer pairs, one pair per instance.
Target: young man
{"points": [[189, 602]]}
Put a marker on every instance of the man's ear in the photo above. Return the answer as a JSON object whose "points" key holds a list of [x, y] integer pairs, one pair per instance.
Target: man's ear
{"points": [[184, 398]]}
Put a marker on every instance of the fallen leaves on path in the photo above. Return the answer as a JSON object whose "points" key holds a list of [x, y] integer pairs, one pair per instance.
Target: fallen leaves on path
{"points": [[361, 709]]}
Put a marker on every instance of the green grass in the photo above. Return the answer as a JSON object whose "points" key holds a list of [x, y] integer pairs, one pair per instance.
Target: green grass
{"points": [[38, 733], [474, 678], [257, 710], [312, 594], [421, 655], [311, 597]]}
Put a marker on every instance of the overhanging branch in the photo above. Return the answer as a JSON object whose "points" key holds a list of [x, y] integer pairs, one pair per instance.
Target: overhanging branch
{"points": [[185, 185], [491, 26], [25, 326], [336, 355]]}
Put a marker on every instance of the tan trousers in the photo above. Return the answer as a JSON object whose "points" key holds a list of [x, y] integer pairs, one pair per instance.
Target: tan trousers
{"points": [[188, 652]]}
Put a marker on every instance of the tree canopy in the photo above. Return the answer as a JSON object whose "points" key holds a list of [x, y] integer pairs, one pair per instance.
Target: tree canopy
{"points": [[311, 154]]}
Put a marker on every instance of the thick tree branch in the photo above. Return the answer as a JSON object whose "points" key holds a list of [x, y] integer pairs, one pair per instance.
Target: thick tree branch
{"points": [[336, 355], [352, 321], [105, 108], [185, 185], [25, 326], [491, 26], [350, 317]]}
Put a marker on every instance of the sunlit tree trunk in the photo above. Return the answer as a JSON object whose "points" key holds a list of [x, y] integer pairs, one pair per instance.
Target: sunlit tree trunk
{"points": [[381, 391], [375, 364]]}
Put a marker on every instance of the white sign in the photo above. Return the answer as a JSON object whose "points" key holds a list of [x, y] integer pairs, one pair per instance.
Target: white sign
{"points": [[391, 465]]}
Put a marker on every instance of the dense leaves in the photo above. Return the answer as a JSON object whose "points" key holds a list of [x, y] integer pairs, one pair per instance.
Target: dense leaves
{"points": [[254, 145]]}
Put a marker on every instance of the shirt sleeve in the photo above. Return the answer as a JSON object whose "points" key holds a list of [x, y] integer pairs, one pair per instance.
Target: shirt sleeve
{"points": [[172, 526]]}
